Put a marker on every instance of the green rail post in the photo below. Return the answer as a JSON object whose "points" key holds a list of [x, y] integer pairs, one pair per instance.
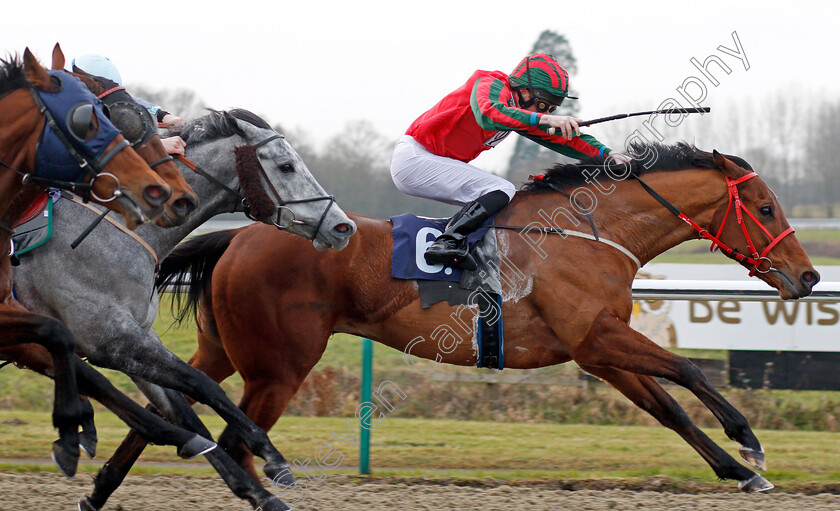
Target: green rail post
{"points": [[364, 434]]}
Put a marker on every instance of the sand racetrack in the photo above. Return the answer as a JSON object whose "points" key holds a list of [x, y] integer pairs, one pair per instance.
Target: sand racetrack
{"points": [[164, 493]]}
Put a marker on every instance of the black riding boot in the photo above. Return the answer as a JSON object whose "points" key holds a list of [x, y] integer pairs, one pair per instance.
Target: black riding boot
{"points": [[450, 248]]}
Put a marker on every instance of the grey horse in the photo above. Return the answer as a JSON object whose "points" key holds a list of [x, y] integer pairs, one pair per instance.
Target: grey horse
{"points": [[113, 276]]}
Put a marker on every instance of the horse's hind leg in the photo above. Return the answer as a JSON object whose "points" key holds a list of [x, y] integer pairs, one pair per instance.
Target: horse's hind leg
{"points": [[649, 395], [22, 326], [611, 342]]}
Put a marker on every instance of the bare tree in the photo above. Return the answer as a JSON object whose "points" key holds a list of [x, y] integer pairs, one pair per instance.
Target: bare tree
{"points": [[355, 166], [182, 102], [824, 156]]}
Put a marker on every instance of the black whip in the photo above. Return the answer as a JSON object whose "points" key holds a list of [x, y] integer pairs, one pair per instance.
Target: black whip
{"points": [[701, 110], [90, 229]]}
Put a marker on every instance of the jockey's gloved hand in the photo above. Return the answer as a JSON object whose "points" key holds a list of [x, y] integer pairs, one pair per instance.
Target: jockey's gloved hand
{"points": [[616, 157], [566, 125]]}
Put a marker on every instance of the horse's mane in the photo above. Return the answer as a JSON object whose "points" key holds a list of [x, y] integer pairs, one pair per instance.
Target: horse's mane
{"points": [[12, 75], [216, 125], [679, 156]]}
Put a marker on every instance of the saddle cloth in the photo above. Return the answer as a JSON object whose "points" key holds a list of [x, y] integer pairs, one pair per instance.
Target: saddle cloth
{"points": [[482, 288], [35, 226]]}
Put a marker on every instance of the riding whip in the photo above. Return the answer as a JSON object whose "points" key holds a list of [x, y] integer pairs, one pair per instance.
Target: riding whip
{"points": [[702, 110]]}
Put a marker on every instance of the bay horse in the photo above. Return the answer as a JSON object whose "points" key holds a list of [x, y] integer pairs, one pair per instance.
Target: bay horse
{"points": [[41, 145], [119, 273], [268, 303]]}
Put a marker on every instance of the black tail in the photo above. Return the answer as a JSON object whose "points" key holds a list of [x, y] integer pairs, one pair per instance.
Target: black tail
{"points": [[191, 265]]}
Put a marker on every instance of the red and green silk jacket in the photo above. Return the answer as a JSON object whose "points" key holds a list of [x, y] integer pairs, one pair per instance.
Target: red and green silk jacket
{"points": [[480, 113]]}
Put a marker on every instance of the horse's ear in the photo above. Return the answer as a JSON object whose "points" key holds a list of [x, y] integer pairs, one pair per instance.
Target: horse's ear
{"points": [[58, 60], [726, 166], [230, 120], [233, 123], [36, 74]]}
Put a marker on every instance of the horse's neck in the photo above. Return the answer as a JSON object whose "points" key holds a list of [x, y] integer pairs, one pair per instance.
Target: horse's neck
{"points": [[212, 200], [15, 149], [632, 218], [20, 122]]}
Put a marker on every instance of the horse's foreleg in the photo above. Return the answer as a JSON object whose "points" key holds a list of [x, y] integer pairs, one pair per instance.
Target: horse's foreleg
{"points": [[112, 473], [263, 402], [87, 437], [22, 326], [611, 342], [149, 425], [649, 395], [175, 407], [146, 358]]}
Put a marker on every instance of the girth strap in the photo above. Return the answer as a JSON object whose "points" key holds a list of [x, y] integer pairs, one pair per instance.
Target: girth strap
{"points": [[576, 234]]}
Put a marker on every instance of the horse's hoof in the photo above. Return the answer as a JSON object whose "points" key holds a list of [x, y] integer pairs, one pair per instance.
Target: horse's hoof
{"points": [[280, 474], [754, 458], [87, 442], [755, 484], [273, 503], [65, 459], [86, 505], [197, 446]]}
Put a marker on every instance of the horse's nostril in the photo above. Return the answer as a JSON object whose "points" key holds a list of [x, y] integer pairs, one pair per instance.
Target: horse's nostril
{"points": [[156, 194], [184, 206], [343, 228], [809, 278]]}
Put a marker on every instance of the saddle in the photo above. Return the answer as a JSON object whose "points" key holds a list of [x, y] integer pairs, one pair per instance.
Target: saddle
{"points": [[479, 288]]}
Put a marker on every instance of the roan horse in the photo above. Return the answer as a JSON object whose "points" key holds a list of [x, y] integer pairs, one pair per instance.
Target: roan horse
{"points": [[273, 302], [136, 125], [32, 102], [121, 278]]}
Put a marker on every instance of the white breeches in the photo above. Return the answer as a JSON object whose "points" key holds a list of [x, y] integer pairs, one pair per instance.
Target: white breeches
{"points": [[418, 172]]}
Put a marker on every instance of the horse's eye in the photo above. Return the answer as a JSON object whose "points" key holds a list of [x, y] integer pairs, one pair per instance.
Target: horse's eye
{"points": [[766, 211], [287, 167]]}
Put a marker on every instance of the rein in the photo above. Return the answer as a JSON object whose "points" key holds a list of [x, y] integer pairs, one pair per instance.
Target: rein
{"points": [[755, 260]]}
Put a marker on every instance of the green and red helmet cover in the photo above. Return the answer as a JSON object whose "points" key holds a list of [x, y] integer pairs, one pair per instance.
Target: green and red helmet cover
{"points": [[548, 78]]}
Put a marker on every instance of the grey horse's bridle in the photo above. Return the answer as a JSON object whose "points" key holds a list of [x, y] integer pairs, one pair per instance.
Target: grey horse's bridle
{"points": [[281, 204]]}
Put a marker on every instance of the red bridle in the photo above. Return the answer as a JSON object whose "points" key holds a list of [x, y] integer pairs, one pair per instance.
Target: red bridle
{"points": [[755, 260]]}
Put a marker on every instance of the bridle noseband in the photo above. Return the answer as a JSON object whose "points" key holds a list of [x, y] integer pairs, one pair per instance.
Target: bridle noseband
{"points": [[755, 260]]}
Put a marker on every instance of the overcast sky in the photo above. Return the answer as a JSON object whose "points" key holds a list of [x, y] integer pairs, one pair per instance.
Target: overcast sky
{"points": [[316, 65]]}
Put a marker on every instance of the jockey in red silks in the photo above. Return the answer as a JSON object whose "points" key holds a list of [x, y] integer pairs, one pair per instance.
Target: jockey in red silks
{"points": [[431, 159]]}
